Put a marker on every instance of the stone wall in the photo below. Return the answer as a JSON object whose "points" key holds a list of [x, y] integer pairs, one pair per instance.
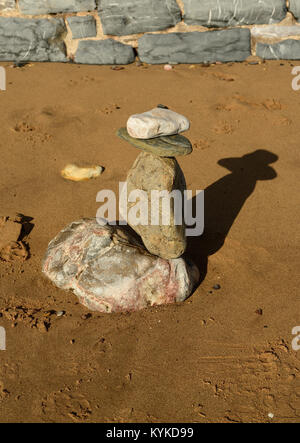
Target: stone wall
{"points": [[158, 31]]}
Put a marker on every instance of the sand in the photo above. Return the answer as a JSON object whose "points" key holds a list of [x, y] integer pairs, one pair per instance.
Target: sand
{"points": [[224, 355]]}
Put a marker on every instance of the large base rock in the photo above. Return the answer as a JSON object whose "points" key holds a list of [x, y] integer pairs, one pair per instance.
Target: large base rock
{"points": [[109, 270]]}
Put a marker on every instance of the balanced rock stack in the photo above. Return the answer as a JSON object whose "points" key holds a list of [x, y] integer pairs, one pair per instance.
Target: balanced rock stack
{"points": [[156, 169], [109, 268]]}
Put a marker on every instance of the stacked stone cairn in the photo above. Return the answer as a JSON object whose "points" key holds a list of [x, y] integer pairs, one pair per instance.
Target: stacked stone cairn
{"points": [[111, 269]]}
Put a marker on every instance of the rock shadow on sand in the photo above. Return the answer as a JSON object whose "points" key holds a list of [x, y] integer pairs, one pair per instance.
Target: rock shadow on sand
{"points": [[224, 200]]}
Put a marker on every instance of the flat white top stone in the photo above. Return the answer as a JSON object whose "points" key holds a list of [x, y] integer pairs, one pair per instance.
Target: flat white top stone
{"points": [[156, 123]]}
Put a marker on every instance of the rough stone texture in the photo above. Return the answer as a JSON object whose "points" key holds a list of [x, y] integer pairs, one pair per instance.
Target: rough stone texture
{"points": [[32, 40], [104, 52], [82, 27], [148, 173], [195, 47], [285, 50], [274, 32], [295, 8], [168, 146], [221, 13], [111, 271], [156, 123], [36, 7], [124, 17], [7, 4]]}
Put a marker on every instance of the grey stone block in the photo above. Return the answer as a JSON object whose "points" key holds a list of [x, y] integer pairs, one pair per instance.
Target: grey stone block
{"points": [[24, 39], [124, 17], [285, 50], [295, 8], [83, 27], [7, 4], [195, 47], [104, 52], [221, 13], [35, 7]]}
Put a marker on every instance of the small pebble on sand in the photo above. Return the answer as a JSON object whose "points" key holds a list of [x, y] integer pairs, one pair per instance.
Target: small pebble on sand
{"points": [[60, 313], [75, 173]]}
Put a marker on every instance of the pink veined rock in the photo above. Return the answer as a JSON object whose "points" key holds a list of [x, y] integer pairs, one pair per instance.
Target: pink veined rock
{"points": [[110, 271]]}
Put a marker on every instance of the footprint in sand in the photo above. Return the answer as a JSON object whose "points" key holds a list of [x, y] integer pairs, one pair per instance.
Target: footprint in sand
{"points": [[53, 117], [224, 127], [40, 125], [24, 127], [73, 82], [32, 134], [109, 109], [74, 406], [239, 102], [4, 393], [201, 144], [34, 318], [284, 121], [87, 78], [271, 104], [224, 77]]}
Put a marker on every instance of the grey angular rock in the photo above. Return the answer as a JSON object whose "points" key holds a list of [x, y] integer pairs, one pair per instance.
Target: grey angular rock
{"points": [[110, 271], [284, 50], [7, 4], [221, 13], [32, 40], [36, 7], [294, 8], [195, 47], [82, 27], [165, 238], [274, 31], [123, 17], [104, 52]]}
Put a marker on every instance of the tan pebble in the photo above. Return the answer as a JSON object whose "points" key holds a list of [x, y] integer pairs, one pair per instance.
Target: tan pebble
{"points": [[75, 173]]}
